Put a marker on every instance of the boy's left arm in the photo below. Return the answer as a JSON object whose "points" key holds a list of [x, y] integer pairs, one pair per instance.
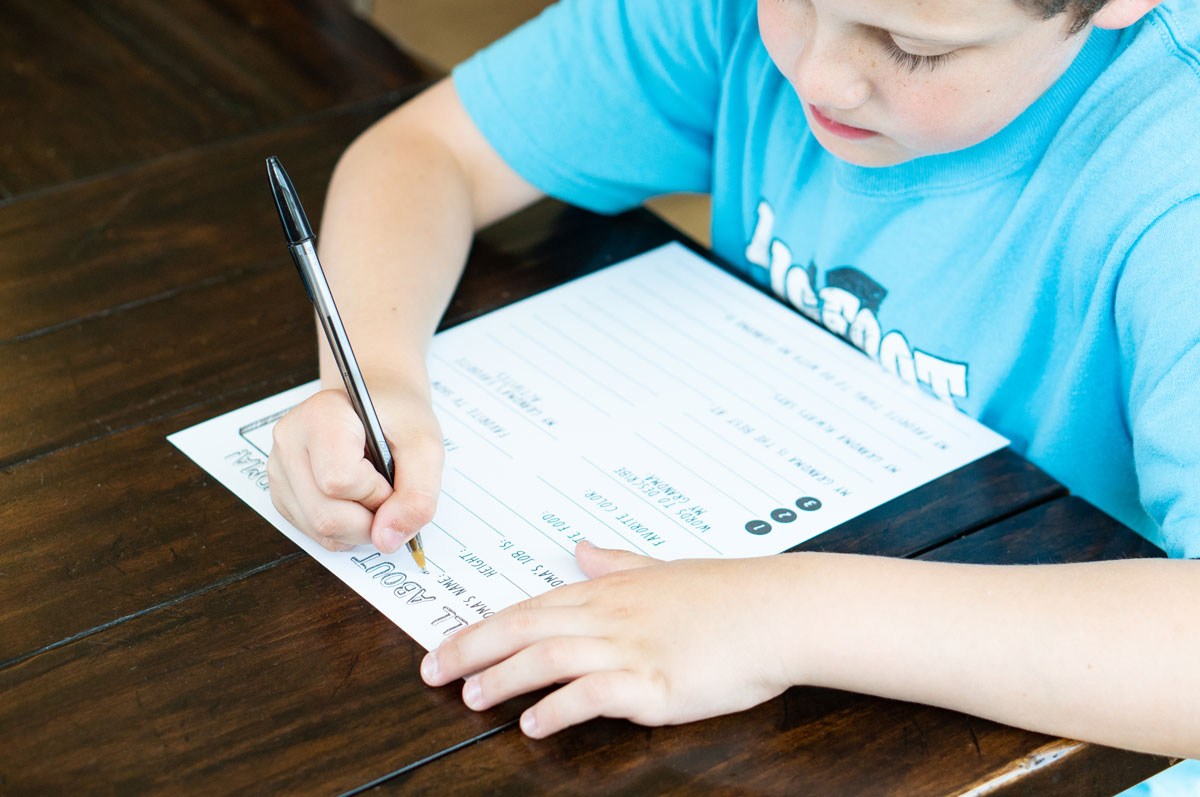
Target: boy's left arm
{"points": [[1104, 652]]}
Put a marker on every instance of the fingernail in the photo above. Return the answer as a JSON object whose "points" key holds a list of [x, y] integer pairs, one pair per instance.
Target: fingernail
{"points": [[429, 667], [392, 540], [528, 724], [585, 544], [473, 693]]}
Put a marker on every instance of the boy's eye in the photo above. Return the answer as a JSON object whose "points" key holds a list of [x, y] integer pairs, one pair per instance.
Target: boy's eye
{"points": [[911, 61]]}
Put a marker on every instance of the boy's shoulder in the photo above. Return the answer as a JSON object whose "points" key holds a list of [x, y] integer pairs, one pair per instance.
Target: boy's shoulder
{"points": [[1168, 42], [1180, 20], [1134, 130]]}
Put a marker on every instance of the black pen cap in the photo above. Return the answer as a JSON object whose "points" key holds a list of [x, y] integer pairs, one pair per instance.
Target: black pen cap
{"points": [[291, 214]]}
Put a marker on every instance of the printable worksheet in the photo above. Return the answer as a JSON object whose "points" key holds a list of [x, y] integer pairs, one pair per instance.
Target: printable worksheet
{"points": [[660, 405]]}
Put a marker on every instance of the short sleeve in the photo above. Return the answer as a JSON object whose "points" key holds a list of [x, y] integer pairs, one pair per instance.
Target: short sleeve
{"points": [[1158, 321], [605, 103]]}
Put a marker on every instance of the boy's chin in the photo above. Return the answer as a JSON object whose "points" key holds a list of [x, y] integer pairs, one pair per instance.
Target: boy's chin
{"points": [[874, 153]]}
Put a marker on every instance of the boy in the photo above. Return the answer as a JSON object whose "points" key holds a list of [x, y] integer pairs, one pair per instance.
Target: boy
{"points": [[1016, 182]]}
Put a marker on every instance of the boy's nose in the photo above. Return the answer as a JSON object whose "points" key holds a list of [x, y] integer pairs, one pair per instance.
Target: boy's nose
{"points": [[825, 76]]}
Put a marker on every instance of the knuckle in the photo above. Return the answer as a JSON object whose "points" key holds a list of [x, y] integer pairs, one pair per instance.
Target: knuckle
{"points": [[556, 655], [280, 506], [279, 433], [329, 544], [275, 471], [430, 445], [335, 480], [526, 605], [326, 525], [596, 691], [520, 622], [621, 612]]}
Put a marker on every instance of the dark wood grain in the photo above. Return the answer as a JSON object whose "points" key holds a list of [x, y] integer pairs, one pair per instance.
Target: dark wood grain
{"points": [[92, 85], [817, 741], [86, 248], [954, 505], [280, 683], [102, 531], [117, 369], [1066, 530]]}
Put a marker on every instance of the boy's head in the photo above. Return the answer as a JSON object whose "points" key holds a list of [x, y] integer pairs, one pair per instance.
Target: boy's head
{"points": [[886, 81], [1081, 11]]}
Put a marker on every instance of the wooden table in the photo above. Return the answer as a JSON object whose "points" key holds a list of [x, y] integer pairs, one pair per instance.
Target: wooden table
{"points": [[155, 633]]}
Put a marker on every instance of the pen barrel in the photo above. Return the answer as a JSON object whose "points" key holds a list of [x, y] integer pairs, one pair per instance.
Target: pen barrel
{"points": [[305, 256]]}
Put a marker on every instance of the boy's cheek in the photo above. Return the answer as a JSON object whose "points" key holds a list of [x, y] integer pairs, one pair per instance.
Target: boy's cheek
{"points": [[952, 118]]}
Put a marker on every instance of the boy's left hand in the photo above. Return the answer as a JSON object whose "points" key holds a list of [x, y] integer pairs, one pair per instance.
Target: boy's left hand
{"points": [[657, 643]]}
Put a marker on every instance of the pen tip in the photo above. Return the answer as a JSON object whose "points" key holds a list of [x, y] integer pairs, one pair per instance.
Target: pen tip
{"points": [[419, 555]]}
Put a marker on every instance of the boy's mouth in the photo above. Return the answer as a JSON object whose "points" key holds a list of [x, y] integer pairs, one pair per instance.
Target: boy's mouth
{"points": [[839, 129]]}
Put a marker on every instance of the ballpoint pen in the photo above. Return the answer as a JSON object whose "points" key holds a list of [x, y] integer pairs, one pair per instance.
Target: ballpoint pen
{"points": [[301, 243]]}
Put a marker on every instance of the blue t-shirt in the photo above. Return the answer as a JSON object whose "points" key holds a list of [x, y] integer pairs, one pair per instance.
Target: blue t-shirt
{"points": [[1045, 281]]}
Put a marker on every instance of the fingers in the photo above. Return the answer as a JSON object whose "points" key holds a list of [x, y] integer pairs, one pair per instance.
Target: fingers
{"points": [[541, 664], [596, 562], [495, 639], [419, 459], [319, 478], [337, 525], [339, 468], [610, 693]]}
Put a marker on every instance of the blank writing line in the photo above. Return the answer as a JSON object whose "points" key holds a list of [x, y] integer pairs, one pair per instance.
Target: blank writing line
{"points": [[571, 365], [514, 512], [471, 511], [718, 463], [620, 323], [865, 365], [713, 433], [689, 470], [588, 351], [696, 328], [540, 369], [797, 380]]}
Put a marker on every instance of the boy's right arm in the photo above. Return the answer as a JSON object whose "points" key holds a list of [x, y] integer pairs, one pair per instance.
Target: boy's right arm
{"points": [[402, 207]]}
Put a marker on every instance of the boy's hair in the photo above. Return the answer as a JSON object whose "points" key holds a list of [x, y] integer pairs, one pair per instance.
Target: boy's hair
{"points": [[1081, 9]]}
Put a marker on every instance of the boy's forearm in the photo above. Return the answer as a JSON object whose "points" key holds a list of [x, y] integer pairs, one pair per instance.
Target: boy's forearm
{"points": [[402, 207], [394, 237], [1103, 652]]}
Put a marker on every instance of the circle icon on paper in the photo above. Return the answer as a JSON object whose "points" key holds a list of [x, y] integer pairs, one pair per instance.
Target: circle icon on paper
{"points": [[758, 527], [808, 504], [783, 515]]}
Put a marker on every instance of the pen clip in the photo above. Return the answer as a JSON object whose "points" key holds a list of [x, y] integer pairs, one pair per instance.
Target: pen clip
{"points": [[298, 256]]}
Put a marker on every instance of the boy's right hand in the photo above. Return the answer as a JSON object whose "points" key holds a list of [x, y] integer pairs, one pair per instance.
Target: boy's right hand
{"points": [[322, 482]]}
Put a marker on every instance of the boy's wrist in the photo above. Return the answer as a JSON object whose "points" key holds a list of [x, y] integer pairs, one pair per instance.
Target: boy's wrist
{"points": [[820, 596], [797, 601], [400, 375]]}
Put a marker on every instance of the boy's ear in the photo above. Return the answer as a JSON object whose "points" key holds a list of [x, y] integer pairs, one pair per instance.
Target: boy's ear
{"points": [[1117, 14]]}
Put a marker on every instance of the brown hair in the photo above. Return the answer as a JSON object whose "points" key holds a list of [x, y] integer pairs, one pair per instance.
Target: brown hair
{"points": [[1082, 10]]}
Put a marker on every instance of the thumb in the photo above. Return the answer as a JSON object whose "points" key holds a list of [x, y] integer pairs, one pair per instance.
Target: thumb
{"points": [[400, 517], [596, 562], [411, 506]]}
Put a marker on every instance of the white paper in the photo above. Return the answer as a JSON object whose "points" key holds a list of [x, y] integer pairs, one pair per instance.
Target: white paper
{"points": [[659, 405]]}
